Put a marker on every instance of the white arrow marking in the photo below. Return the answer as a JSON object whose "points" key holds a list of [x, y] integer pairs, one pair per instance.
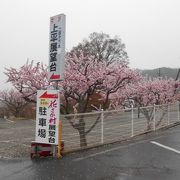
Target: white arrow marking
{"points": [[165, 147]]}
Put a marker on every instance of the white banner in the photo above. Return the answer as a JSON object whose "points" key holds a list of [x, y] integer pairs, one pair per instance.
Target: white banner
{"points": [[47, 116], [57, 47]]}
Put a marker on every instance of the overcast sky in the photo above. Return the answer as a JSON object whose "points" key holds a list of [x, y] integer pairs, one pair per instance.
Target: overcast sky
{"points": [[149, 28]]}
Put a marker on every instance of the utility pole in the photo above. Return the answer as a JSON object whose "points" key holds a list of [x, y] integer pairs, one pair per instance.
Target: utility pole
{"points": [[159, 73], [177, 75]]}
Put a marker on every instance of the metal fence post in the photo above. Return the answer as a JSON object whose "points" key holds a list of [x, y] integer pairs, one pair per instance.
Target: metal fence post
{"points": [[154, 120], [132, 120], [102, 126], [178, 109], [168, 115]]}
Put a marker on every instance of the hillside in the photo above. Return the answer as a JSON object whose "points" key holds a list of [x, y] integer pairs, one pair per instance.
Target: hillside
{"points": [[161, 72]]}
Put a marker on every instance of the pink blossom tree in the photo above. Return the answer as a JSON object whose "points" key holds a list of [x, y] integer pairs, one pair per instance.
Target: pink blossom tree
{"points": [[157, 91], [84, 76], [149, 93], [28, 79]]}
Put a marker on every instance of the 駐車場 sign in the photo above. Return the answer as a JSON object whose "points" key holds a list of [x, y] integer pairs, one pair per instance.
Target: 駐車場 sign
{"points": [[47, 116]]}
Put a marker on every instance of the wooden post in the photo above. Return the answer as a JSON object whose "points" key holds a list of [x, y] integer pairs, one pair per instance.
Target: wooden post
{"points": [[59, 140]]}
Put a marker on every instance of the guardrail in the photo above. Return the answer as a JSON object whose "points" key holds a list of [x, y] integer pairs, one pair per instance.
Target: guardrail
{"points": [[102, 127]]}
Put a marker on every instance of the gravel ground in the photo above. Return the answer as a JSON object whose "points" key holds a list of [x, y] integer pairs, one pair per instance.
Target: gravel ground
{"points": [[16, 137]]}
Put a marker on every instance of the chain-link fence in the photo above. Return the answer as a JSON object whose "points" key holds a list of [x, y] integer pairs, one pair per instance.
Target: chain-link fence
{"points": [[91, 129]]}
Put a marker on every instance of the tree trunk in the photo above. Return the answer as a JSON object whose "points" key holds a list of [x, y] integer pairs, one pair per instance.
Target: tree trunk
{"points": [[83, 142], [149, 125], [17, 113], [82, 133], [149, 116], [162, 117]]}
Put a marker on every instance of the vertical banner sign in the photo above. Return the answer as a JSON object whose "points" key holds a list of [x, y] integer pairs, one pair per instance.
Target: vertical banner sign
{"points": [[57, 47], [47, 116]]}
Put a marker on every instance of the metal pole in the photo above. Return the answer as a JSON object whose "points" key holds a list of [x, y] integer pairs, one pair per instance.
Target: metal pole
{"points": [[132, 120], [168, 114], [154, 120], [55, 148], [178, 109], [102, 126], [59, 127]]}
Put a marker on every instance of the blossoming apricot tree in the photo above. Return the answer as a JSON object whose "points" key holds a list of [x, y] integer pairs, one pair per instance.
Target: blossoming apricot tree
{"points": [[84, 76]]}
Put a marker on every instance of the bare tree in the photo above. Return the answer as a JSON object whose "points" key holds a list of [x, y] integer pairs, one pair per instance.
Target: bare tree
{"points": [[13, 101], [103, 47]]}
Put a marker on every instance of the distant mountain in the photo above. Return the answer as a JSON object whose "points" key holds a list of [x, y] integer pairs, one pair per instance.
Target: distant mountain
{"points": [[161, 72]]}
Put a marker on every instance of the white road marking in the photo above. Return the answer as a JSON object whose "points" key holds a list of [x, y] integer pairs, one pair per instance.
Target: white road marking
{"points": [[165, 147], [8, 141], [25, 145], [9, 121], [4, 157], [29, 138]]}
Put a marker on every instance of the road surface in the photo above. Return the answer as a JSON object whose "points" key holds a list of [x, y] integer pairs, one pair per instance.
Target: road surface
{"points": [[152, 156]]}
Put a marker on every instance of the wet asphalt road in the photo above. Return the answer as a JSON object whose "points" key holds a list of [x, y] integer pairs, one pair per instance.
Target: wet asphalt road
{"points": [[139, 159]]}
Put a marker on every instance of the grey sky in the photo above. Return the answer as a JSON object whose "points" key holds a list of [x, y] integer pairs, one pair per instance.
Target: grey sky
{"points": [[149, 28]]}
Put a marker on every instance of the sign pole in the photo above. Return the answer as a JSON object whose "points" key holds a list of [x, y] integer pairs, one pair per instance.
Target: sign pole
{"points": [[57, 60], [59, 140], [59, 128]]}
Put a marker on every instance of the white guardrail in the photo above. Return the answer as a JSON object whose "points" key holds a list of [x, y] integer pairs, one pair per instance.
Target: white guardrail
{"points": [[101, 127]]}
